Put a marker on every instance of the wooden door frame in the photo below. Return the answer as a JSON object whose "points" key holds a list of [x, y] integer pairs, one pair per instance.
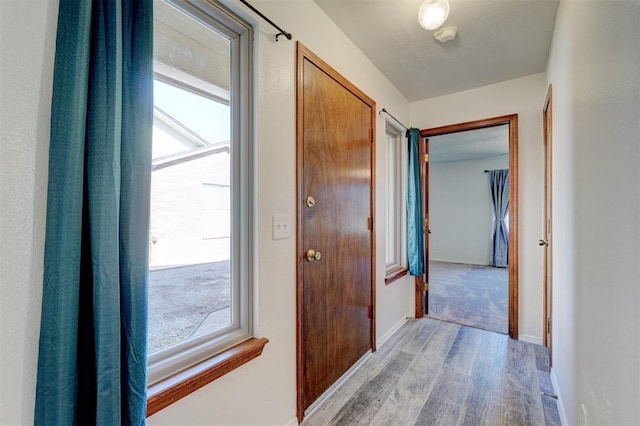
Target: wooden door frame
{"points": [[514, 195], [422, 281], [547, 123], [302, 54]]}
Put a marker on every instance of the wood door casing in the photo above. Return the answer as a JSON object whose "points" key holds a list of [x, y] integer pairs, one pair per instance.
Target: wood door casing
{"points": [[512, 121], [422, 281], [547, 113], [335, 294], [424, 149]]}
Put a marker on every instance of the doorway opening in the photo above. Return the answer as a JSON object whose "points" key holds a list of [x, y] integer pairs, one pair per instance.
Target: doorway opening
{"points": [[470, 181]]}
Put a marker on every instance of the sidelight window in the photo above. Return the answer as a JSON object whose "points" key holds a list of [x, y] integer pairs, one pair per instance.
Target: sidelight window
{"points": [[395, 201], [200, 281]]}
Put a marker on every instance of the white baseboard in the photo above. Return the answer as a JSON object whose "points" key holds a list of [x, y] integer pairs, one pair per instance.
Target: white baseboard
{"points": [[382, 340], [322, 398], [556, 388], [530, 339], [292, 422]]}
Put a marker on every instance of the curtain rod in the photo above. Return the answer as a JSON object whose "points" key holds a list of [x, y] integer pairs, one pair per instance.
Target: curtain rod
{"points": [[282, 32], [389, 114]]}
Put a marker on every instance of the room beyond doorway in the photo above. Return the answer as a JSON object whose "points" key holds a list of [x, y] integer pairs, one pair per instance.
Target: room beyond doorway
{"points": [[472, 295], [465, 288], [472, 216]]}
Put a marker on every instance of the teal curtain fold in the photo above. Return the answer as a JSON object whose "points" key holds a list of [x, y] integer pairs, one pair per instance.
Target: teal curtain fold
{"points": [[499, 184], [92, 355], [415, 228]]}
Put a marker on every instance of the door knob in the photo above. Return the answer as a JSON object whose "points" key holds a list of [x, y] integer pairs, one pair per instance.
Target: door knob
{"points": [[313, 255], [543, 242]]}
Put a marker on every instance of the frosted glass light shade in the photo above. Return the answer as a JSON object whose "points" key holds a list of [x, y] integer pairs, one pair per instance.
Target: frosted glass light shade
{"points": [[433, 13]]}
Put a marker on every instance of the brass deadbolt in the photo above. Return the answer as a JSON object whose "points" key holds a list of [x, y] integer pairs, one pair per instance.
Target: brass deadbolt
{"points": [[310, 202], [313, 255]]}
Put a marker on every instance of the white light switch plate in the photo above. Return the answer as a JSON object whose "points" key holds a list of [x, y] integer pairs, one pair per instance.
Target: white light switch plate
{"points": [[281, 226]]}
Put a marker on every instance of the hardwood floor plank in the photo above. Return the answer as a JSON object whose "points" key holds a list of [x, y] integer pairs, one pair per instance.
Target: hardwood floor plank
{"points": [[480, 408], [520, 367], [324, 413], [533, 410], [445, 402], [408, 328], [463, 350], [419, 338], [437, 373], [422, 373], [330, 407], [365, 403], [487, 377], [521, 386], [414, 387], [493, 349], [513, 412], [542, 358], [545, 384], [401, 408], [522, 409], [542, 365], [551, 413]]}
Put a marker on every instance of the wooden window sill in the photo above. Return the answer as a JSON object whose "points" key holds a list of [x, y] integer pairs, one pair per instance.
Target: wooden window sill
{"points": [[174, 388], [395, 274]]}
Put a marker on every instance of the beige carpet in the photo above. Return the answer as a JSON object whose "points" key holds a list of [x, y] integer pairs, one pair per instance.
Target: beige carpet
{"points": [[471, 295]]}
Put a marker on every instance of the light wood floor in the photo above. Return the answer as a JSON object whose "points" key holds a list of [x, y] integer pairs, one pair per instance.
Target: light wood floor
{"points": [[432, 372]]}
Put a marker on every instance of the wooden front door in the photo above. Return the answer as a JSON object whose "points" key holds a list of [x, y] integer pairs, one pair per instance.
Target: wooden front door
{"points": [[335, 226]]}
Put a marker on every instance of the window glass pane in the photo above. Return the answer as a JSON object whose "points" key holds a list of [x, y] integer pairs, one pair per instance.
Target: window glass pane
{"points": [[206, 119], [216, 211], [391, 201], [190, 247]]}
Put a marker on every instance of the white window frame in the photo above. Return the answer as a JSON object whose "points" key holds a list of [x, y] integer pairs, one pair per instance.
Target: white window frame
{"points": [[396, 223], [167, 362]]}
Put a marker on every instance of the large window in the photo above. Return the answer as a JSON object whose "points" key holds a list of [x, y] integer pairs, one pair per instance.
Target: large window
{"points": [[201, 192], [395, 251]]}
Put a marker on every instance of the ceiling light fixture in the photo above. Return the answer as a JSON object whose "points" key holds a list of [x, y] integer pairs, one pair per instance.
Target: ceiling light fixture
{"points": [[433, 13]]}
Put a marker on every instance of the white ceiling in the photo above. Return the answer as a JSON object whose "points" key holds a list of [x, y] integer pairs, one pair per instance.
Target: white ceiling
{"points": [[497, 40], [469, 145]]}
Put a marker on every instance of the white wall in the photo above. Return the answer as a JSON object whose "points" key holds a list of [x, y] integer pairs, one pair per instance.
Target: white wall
{"points": [[525, 97], [460, 210], [262, 391], [594, 66], [27, 49]]}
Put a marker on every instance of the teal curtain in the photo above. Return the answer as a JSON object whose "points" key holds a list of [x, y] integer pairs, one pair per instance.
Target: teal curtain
{"points": [[92, 356], [499, 184], [415, 228]]}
